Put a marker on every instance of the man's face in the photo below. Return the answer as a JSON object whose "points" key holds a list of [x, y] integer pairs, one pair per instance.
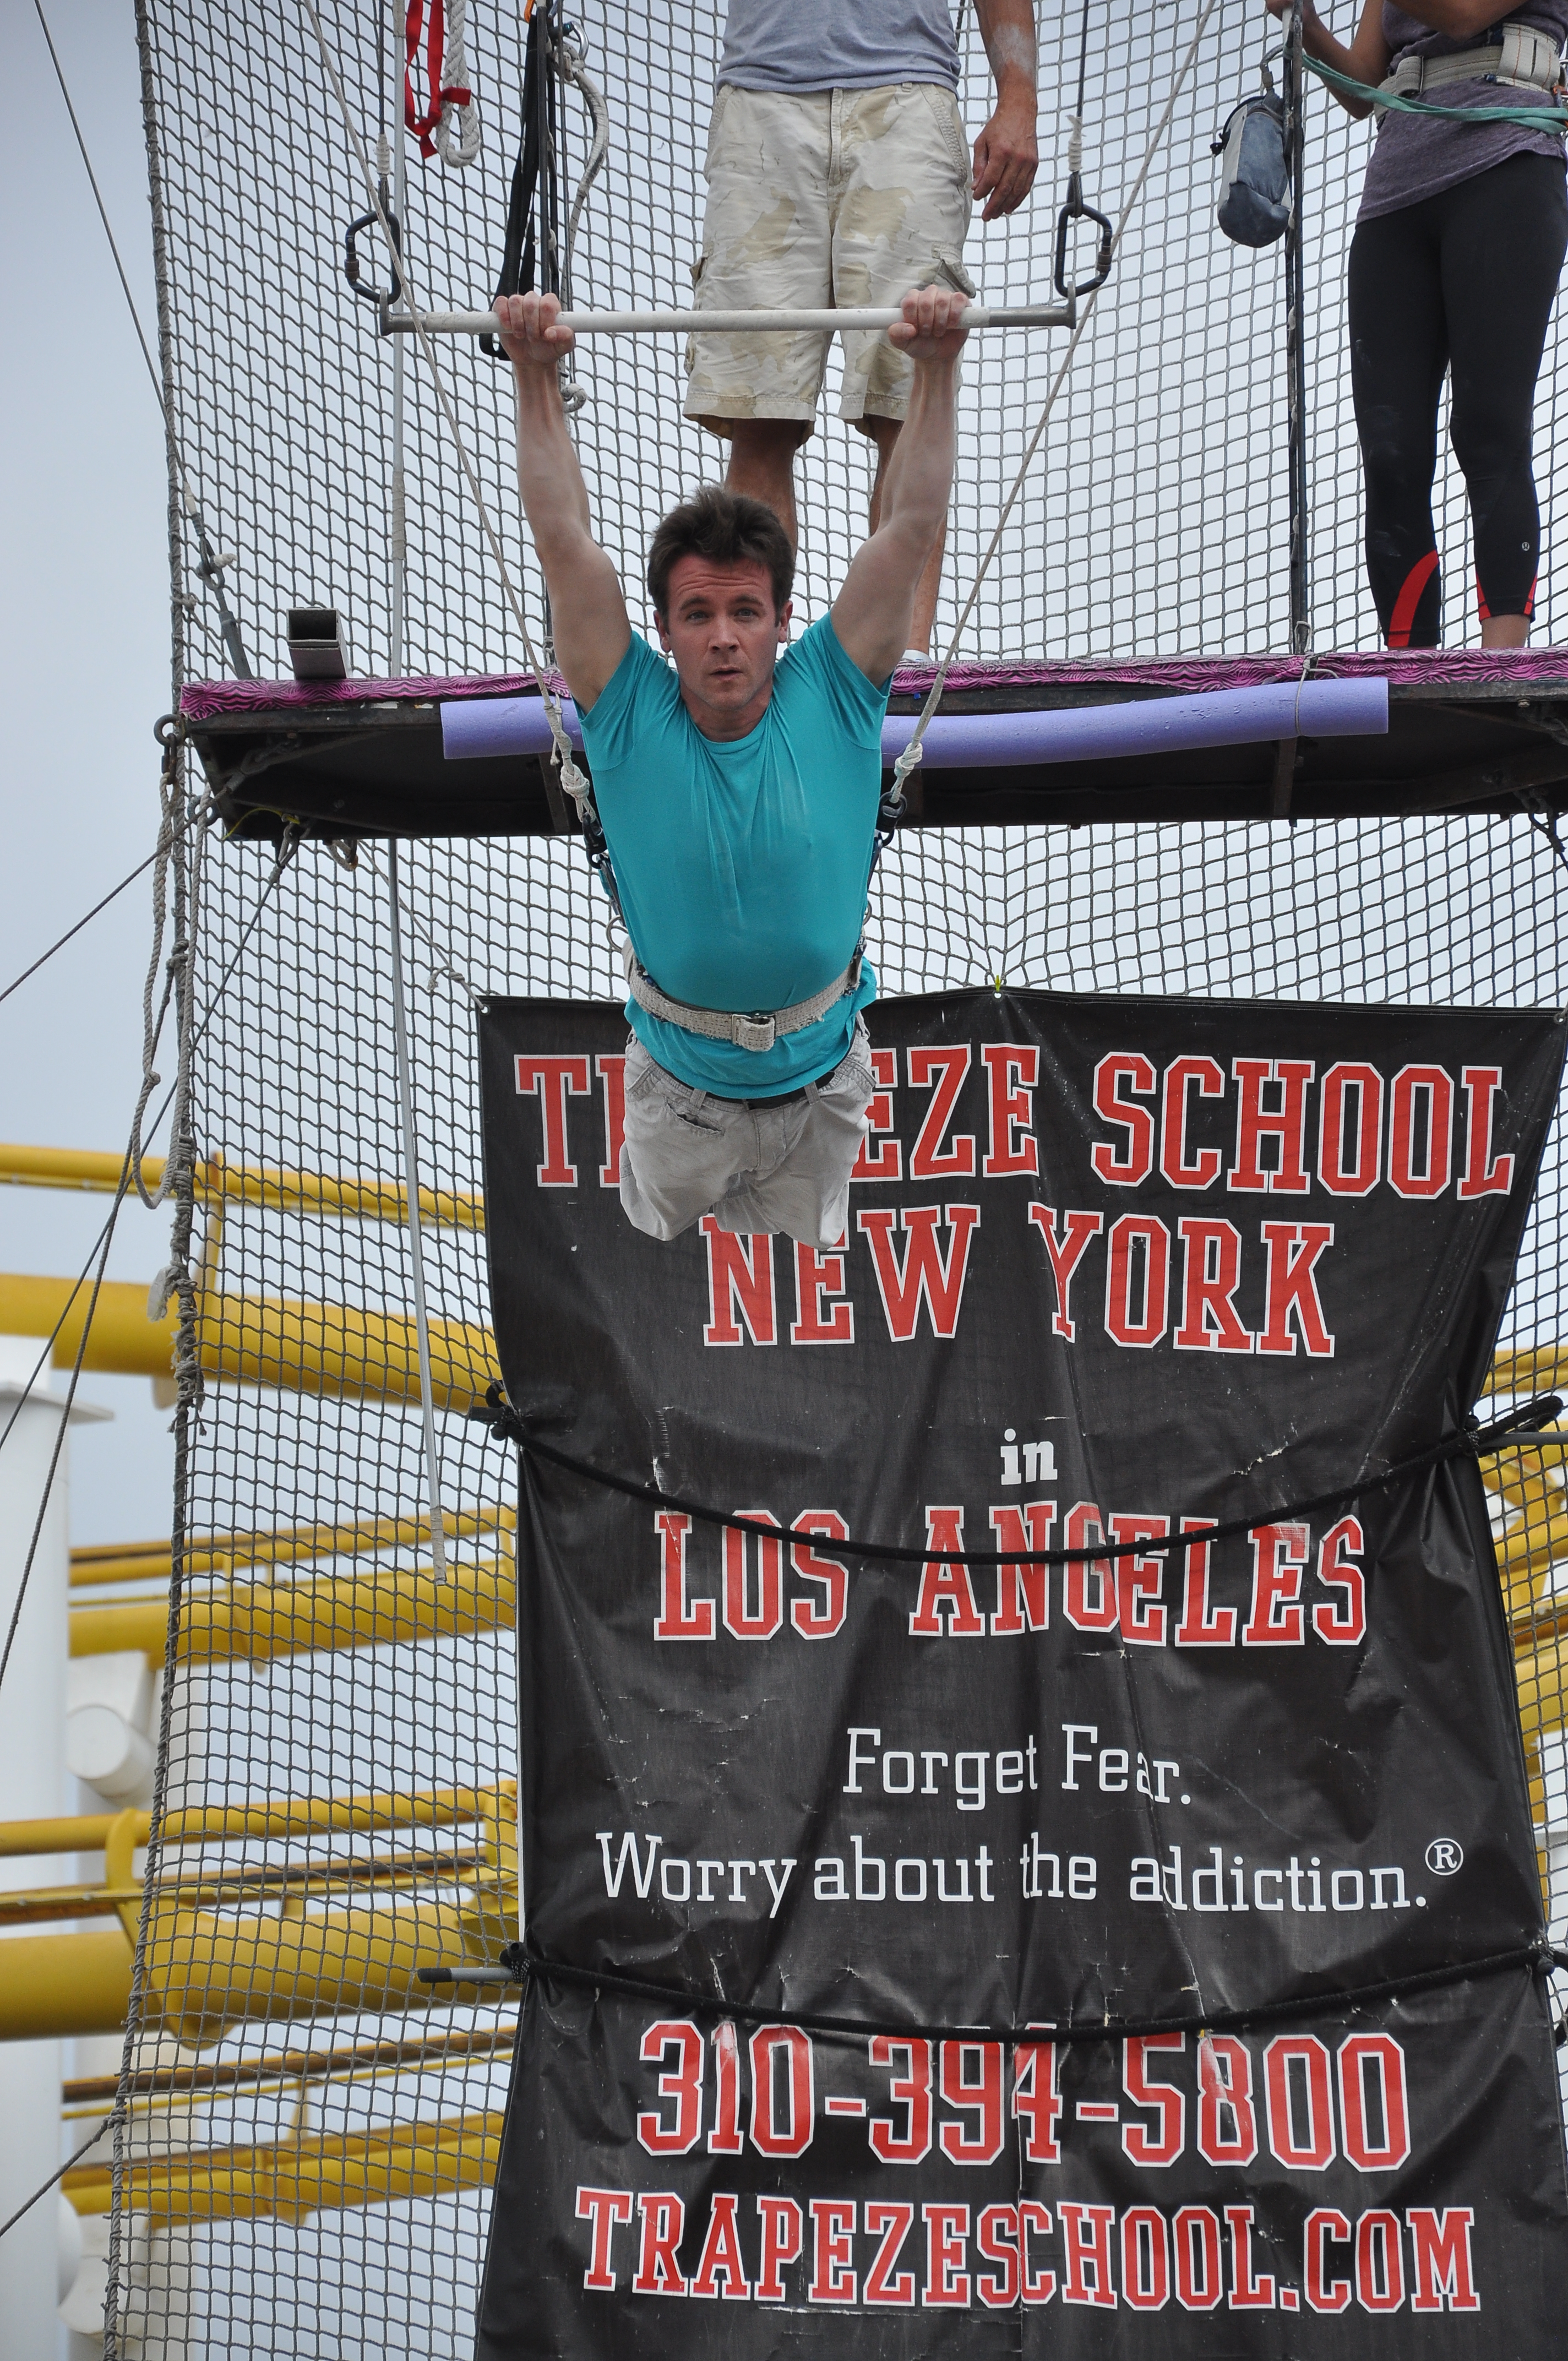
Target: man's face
{"points": [[724, 633]]}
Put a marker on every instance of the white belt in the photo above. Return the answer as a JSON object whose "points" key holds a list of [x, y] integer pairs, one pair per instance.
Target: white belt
{"points": [[1524, 60], [756, 1032]]}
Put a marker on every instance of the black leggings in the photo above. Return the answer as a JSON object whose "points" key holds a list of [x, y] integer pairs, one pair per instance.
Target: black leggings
{"points": [[1465, 277]]}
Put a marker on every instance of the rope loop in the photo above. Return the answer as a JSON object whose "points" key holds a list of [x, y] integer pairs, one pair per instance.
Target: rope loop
{"points": [[457, 131]]}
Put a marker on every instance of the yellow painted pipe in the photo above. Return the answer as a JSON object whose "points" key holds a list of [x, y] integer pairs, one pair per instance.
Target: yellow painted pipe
{"points": [[207, 1970], [56, 1985], [255, 1622], [335, 1348], [122, 1339], [84, 1832], [430, 1807], [262, 1340], [105, 1562], [218, 1181], [293, 2179]]}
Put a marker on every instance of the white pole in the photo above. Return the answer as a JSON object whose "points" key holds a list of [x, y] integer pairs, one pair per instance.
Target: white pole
{"points": [[34, 1784], [696, 324], [404, 1064]]}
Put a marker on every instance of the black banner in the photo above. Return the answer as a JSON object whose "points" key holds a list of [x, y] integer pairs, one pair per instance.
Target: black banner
{"points": [[1116, 1270]]}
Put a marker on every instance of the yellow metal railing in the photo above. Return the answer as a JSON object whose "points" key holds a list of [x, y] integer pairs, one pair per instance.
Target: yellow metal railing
{"points": [[291, 2178], [257, 1340], [262, 1340], [210, 1960], [86, 2096], [108, 1562], [220, 1182], [255, 1622]]}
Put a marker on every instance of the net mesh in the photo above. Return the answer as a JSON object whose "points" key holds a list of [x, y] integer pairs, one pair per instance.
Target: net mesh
{"points": [[341, 1730]]}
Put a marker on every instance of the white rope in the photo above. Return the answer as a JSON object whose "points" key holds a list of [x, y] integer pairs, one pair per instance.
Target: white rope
{"points": [[913, 753], [463, 121], [572, 780], [179, 970], [416, 1236], [571, 53], [443, 967]]}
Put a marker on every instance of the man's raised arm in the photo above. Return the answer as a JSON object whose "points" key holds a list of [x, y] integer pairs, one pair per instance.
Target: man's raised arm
{"points": [[588, 609], [872, 612]]}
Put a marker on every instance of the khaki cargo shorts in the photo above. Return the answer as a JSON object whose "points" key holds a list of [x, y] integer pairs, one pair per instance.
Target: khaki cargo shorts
{"points": [[779, 1165], [842, 197]]}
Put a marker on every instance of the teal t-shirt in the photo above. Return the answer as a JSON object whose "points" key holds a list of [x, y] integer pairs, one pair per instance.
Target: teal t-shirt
{"points": [[743, 867]]}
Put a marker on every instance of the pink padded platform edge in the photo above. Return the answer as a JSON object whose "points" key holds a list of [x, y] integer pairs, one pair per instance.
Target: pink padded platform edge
{"points": [[205, 700]]}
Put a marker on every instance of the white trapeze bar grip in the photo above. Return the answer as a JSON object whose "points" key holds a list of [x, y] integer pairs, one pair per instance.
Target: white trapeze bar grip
{"points": [[696, 324], [961, 742]]}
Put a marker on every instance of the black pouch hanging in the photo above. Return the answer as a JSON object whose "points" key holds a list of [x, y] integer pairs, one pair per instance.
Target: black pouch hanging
{"points": [[1254, 177]]}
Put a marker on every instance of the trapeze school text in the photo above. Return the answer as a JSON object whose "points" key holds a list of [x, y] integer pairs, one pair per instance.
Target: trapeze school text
{"points": [[1298, 1590], [1198, 1282], [1273, 1125]]}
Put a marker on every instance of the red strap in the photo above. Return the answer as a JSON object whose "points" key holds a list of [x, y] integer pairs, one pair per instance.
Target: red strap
{"points": [[422, 125]]}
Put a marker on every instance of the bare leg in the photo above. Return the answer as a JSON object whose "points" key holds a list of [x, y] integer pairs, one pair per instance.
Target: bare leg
{"points": [[1505, 630], [885, 433], [762, 464]]}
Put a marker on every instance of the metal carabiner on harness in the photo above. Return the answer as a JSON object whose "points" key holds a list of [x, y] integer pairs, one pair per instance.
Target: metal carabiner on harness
{"points": [[1075, 210]]}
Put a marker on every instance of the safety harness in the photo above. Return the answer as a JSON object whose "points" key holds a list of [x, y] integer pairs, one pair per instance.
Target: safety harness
{"points": [[1523, 58]]}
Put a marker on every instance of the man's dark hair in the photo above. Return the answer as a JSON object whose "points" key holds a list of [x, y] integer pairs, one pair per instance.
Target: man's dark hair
{"points": [[728, 529]]}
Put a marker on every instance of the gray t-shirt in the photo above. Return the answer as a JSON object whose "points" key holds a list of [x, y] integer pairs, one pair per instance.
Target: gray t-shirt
{"points": [[1416, 155], [803, 45]]}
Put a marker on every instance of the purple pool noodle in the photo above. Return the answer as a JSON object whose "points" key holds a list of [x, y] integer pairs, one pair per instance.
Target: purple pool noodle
{"points": [[502, 725], [1155, 725]]}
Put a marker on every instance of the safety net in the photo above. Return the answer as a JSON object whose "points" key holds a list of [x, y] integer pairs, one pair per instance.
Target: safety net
{"points": [[309, 2132]]}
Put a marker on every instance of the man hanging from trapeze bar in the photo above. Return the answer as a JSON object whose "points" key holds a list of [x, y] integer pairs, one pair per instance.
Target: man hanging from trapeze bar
{"points": [[839, 174], [738, 795]]}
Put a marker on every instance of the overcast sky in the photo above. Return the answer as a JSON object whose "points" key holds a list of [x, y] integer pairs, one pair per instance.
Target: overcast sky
{"points": [[85, 647]]}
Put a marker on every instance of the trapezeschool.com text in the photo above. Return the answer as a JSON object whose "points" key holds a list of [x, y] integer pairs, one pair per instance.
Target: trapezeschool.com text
{"points": [[1144, 1279], [976, 2104]]}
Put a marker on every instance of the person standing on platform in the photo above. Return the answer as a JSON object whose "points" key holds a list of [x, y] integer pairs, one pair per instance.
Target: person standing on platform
{"points": [[738, 795], [839, 174], [1453, 265]]}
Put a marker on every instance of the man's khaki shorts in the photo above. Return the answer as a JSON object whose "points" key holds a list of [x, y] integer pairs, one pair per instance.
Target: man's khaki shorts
{"points": [[842, 197], [780, 1165]]}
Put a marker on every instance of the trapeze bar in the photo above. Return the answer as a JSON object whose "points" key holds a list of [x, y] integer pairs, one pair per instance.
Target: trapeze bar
{"points": [[694, 323], [474, 727]]}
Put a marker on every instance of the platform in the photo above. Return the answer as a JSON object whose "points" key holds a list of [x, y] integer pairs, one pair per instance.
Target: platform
{"points": [[1470, 730]]}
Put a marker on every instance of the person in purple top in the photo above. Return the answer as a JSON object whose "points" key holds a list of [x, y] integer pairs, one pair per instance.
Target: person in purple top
{"points": [[1453, 265]]}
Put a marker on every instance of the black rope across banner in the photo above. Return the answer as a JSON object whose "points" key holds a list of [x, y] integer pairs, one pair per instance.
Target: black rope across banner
{"points": [[520, 1964], [1471, 1441]]}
